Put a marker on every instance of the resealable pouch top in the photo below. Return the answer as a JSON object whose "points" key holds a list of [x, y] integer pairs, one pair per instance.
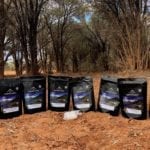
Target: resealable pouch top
{"points": [[34, 93], [108, 100], [133, 97], [83, 94], [10, 97], [58, 93]]}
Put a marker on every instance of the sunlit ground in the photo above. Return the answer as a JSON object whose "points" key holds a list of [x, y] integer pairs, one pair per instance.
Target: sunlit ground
{"points": [[10, 73]]}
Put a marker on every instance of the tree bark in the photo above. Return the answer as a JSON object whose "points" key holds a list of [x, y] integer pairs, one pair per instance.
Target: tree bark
{"points": [[74, 62], [33, 52], [2, 37]]}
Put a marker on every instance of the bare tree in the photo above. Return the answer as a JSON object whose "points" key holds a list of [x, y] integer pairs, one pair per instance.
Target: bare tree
{"points": [[127, 20], [27, 14], [59, 21], [4, 40], [44, 49]]}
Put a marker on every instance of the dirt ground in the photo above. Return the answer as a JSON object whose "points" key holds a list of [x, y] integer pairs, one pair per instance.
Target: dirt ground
{"points": [[91, 131]]}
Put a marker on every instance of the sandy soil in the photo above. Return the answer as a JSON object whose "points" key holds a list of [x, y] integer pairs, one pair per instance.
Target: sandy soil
{"points": [[9, 73], [91, 131]]}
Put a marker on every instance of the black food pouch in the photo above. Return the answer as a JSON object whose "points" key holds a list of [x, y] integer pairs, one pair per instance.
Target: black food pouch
{"points": [[83, 94], [108, 100], [58, 93], [34, 98], [133, 97], [10, 97]]}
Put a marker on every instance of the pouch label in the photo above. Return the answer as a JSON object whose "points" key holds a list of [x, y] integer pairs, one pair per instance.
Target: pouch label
{"points": [[109, 100], [58, 98], [34, 98], [9, 102], [133, 104], [57, 105], [82, 96], [82, 106], [107, 107], [33, 106], [10, 110], [133, 111]]}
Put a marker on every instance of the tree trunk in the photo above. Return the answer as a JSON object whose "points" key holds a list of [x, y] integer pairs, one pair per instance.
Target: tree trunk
{"points": [[61, 60], [2, 37], [17, 67], [33, 53], [57, 58], [1, 60], [25, 52], [34, 62], [57, 65], [75, 66]]}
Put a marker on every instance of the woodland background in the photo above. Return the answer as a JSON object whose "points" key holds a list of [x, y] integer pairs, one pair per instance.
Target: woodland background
{"points": [[43, 36]]}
